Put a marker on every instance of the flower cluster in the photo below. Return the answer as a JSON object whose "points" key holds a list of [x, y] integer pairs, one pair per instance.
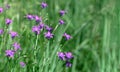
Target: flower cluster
{"points": [[34, 17], [61, 22], [67, 56], [10, 53], [37, 29], [16, 46], [62, 13]]}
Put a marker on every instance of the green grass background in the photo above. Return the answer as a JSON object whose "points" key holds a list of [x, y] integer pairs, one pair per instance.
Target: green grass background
{"points": [[93, 24]]}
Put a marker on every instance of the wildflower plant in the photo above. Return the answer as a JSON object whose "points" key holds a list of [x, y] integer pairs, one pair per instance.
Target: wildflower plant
{"points": [[37, 45], [59, 35]]}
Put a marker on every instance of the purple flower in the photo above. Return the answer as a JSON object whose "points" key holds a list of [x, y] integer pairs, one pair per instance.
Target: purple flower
{"points": [[10, 53], [68, 55], [13, 34], [1, 31], [68, 64], [36, 29], [44, 5], [61, 21], [8, 21], [41, 25], [62, 12], [30, 17], [16, 46], [48, 35], [22, 64], [1, 9], [67, 36], [48, 28], [61, 55], [38, 19]]}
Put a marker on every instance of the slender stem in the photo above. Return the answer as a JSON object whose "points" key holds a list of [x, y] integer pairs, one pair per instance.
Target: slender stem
{"points": [[35, 52], [36, 42], [55, 28], [47, 57]]}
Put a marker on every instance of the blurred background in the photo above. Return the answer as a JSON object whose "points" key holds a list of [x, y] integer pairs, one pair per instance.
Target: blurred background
{"points": [[93, 24]]}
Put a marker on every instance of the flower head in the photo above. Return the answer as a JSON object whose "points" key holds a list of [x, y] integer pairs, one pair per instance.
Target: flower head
{"points": [[30, 17], [13, 34], [49, 28], [44, 5], [8, 21], [22, 64], [10, 53], [16, 46], [36, 29], [41, 25], [67, 36], [62, 12], [1, 9], [68, 55], [68, 64], [48, 35], [61, 21], [61, 55], [1, 31], [38, 19]]}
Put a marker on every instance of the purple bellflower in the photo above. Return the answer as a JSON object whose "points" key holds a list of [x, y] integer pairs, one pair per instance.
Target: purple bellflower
{"points": [[62, 12], [8, 21], [61, 55], [67, 36], [38, 19], [68, 55], [16, 46], [30, 17], [13, 34], [10, 53], [41, 25], [61, 21], [44, 5], [48, 28], [36, 30], [48, 35]]}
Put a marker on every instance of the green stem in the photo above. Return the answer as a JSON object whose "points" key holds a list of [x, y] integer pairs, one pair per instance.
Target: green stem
{"points": [[35, 52], [47, 57]]}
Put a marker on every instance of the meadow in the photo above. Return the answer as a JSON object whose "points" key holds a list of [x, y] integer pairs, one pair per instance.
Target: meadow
{"points": [[59, 35]]}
